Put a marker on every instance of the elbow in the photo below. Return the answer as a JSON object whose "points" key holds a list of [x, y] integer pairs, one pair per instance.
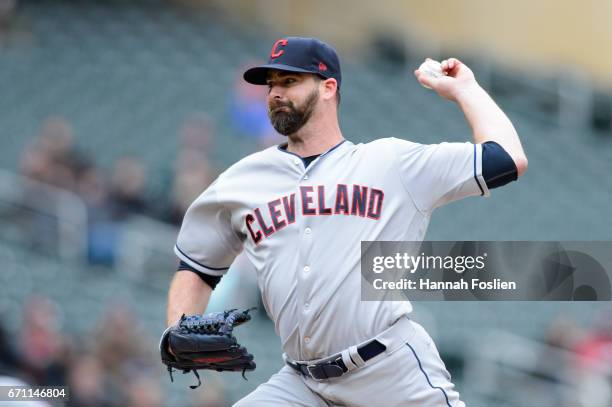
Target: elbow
{"points": [[521, 165]]}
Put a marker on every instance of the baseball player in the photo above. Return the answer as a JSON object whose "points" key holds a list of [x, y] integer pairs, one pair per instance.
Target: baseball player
{"points": [[299, 211]]}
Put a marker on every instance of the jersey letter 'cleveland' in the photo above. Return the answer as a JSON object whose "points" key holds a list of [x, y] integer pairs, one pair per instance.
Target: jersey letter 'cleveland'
{"points": [[363, 201]]}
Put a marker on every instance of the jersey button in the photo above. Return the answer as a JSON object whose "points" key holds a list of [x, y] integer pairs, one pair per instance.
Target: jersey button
{"points": [[306, 305], [296, 161], [305, 176], [307, 231], [307, 339], [306, 269]]}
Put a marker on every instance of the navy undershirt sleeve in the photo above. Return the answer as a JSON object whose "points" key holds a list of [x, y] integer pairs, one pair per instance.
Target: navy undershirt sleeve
{"points": [[212, 281], [498, 168]]}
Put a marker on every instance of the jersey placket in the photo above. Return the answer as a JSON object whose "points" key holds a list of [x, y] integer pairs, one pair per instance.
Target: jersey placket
{"points": [[307, 231], [307, 272]]}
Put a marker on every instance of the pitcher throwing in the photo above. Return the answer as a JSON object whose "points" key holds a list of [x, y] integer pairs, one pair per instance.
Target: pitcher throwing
{"points": [[299, 211]]}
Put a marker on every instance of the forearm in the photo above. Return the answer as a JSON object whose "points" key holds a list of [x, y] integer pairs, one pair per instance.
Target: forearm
{"points": [[188, 294], [490, 123]]}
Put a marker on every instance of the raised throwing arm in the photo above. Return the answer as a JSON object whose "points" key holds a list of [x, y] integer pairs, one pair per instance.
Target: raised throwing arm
{"points": [[487, 120]]}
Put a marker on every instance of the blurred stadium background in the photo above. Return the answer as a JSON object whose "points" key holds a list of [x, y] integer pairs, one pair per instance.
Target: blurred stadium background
{"points": [[115, 115]]}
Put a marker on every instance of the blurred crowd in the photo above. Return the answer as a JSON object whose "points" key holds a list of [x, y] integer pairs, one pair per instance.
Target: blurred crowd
{"points": [[110, 365], [114, 362], [578, 357], [110, 361], [112, 197]]}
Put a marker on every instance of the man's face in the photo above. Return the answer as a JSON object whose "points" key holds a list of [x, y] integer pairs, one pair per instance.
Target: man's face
{"points": [[292, 97]]}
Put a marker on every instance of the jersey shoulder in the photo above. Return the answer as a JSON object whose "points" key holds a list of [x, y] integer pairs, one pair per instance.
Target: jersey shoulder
{"points": [[390, 144], [251, 164]]}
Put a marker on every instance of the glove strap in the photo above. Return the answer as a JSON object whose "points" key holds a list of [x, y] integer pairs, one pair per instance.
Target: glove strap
{"points": [[195, 372]]}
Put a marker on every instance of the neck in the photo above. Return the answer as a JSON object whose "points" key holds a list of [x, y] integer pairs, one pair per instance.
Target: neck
{"points": [[315, 137]]}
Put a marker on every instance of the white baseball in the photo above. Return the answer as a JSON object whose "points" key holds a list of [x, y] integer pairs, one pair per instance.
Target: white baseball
{"points": [[431, 68]]}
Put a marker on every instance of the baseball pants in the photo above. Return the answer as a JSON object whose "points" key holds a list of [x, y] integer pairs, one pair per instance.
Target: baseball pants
{"points": [[410, 373]]}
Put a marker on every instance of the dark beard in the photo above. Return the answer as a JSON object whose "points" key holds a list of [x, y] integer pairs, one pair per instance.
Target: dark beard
{"points": [[289, 122]]}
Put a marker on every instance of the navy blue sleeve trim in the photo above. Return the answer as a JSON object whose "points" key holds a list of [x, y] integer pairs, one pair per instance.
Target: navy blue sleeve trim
{"points": [[200, 264], [212, 281], [498, 168], [475, 176]]}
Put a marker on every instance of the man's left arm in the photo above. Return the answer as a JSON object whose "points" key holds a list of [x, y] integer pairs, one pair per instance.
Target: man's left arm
{"points": [[488, 122]]}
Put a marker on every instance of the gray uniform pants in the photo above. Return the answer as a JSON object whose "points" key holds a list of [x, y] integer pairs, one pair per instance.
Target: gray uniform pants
{"points": [[409, 373]]}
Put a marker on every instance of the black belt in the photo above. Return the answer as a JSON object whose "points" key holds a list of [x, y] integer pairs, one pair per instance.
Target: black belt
{"points": [[336, 367]]}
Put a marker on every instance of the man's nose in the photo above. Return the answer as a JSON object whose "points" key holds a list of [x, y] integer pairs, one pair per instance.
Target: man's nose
{"points": [[276, 92]]}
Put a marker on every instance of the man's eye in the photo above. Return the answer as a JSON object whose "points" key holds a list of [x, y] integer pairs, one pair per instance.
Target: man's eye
{"points": [[289, 80]]}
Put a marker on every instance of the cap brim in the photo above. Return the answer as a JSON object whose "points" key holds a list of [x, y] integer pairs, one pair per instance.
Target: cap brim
{"points": [[258, 75]]}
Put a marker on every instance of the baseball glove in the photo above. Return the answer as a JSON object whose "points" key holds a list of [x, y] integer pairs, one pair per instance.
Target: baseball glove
{"points": [[206, 342]]}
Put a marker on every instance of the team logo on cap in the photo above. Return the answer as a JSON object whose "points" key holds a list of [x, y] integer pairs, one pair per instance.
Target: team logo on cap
{"points": [[275, 53], [322, 67]]}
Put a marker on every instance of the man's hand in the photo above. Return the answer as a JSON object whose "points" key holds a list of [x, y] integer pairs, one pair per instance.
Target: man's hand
{"points": [[458, 80]]}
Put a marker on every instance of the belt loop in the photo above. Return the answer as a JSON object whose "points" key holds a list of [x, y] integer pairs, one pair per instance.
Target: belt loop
{"points": [[348, 362], [355, 356]]}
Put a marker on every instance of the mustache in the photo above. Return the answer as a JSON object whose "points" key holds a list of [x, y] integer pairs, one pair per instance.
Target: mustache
{"points": [[278, 104]]}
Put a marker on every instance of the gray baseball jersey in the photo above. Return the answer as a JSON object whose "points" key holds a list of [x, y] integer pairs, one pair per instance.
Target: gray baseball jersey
{"points": [[302, 227]]}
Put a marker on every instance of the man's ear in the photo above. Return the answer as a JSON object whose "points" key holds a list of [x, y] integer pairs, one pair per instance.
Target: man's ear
{"points": [[329, 88]]}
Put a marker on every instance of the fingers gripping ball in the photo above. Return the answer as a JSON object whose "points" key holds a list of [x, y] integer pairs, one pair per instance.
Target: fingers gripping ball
{"points": [[431, 68], [206, 342]]}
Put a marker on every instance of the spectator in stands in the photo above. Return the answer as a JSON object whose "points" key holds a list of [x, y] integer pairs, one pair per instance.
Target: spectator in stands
{"points": [[144, 391], [36, 163], [87, 383], [192, 174], [132, 369], [594, 350], [102, 231], [249, 112], [118, 344], [42, 345], [192, 170], [52, 158], [127, 188], [594, 364], [560, 335]]}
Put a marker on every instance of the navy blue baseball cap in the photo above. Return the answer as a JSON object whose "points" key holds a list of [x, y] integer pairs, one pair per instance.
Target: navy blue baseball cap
{"points": [[298, 54]]}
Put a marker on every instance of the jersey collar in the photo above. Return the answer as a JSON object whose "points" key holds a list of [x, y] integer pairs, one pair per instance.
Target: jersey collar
{"points": [[283, 148]]}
